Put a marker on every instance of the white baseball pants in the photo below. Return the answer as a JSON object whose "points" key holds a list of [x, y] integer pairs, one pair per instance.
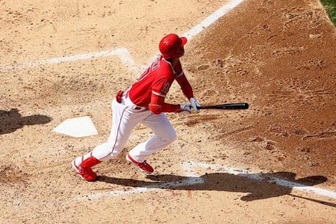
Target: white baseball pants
{"points": [[125, 117]]}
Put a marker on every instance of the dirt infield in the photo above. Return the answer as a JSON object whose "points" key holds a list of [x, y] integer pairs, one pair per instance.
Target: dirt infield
{"points": [[272, 163]]}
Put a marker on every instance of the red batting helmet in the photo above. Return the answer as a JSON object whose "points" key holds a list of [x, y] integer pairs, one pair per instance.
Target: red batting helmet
{"points": [[171, 46]]}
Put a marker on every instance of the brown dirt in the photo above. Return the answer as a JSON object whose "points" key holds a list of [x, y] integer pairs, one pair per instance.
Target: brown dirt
{"points": [[276, 55]]}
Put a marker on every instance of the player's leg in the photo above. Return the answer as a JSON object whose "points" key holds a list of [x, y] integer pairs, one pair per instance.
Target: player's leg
{"points": [[164, 134], [123, 121]]}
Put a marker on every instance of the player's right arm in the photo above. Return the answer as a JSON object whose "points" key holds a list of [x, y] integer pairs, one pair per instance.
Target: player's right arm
{"points": [[158, 105], [160, 89]]}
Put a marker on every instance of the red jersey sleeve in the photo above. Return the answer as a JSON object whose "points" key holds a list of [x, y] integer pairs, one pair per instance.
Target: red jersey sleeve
{"points": [[157, 105], [185, 85], [183, 81], [162, 85], [160, 89]]}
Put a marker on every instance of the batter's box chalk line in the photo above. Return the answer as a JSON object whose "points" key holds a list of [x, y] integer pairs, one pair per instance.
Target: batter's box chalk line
{"points": [[191, 167]]}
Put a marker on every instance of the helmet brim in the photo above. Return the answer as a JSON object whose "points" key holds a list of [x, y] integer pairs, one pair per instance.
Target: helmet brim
{"points": [[184, 40]]}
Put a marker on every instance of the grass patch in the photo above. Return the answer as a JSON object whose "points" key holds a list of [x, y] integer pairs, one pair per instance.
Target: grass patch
{"points": [[330, 6]]}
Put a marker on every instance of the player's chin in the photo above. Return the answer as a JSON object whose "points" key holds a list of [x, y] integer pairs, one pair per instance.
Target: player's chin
{"points": [[181, 53]]}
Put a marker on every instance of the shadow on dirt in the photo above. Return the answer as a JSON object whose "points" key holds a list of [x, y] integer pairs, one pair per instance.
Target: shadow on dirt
{"points": [[12, 120], [255, 189]]}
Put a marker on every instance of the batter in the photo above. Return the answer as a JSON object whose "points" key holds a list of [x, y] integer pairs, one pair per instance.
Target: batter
{"points": [[144, 102]]}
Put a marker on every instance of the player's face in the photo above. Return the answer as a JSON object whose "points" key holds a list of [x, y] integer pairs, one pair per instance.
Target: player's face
{"points": [[180, 51]]}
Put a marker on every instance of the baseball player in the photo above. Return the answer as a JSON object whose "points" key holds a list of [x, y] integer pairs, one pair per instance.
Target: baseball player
{"points": [[144, 102]]}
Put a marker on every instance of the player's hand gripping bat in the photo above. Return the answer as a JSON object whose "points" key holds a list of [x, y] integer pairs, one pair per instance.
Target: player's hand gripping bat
{"points": [[227, 106]]}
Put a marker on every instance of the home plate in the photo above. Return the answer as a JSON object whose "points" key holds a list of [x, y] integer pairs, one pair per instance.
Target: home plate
{"points": [[77, 127]]}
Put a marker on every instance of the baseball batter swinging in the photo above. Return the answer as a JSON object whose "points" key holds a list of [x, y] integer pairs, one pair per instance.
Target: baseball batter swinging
{"points": [[144, 102]]}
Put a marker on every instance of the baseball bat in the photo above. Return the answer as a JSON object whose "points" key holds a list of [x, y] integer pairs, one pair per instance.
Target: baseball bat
{"points": [[227, 106]]}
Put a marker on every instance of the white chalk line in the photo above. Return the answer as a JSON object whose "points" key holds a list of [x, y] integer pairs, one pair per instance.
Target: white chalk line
{"points": [[192, 179], [212, 18], [152, 187], [267, 178], [123, 53]]}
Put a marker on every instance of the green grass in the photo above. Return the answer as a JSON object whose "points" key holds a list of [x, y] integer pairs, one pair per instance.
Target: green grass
{"points": [[330, 6]]}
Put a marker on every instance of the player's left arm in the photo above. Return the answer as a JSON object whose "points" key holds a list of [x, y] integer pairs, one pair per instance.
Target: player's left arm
{"points": [[188, 91]]}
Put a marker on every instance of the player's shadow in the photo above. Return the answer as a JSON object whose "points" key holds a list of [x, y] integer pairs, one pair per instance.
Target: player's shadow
{"points": [[254, 186], [12, 120]]}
